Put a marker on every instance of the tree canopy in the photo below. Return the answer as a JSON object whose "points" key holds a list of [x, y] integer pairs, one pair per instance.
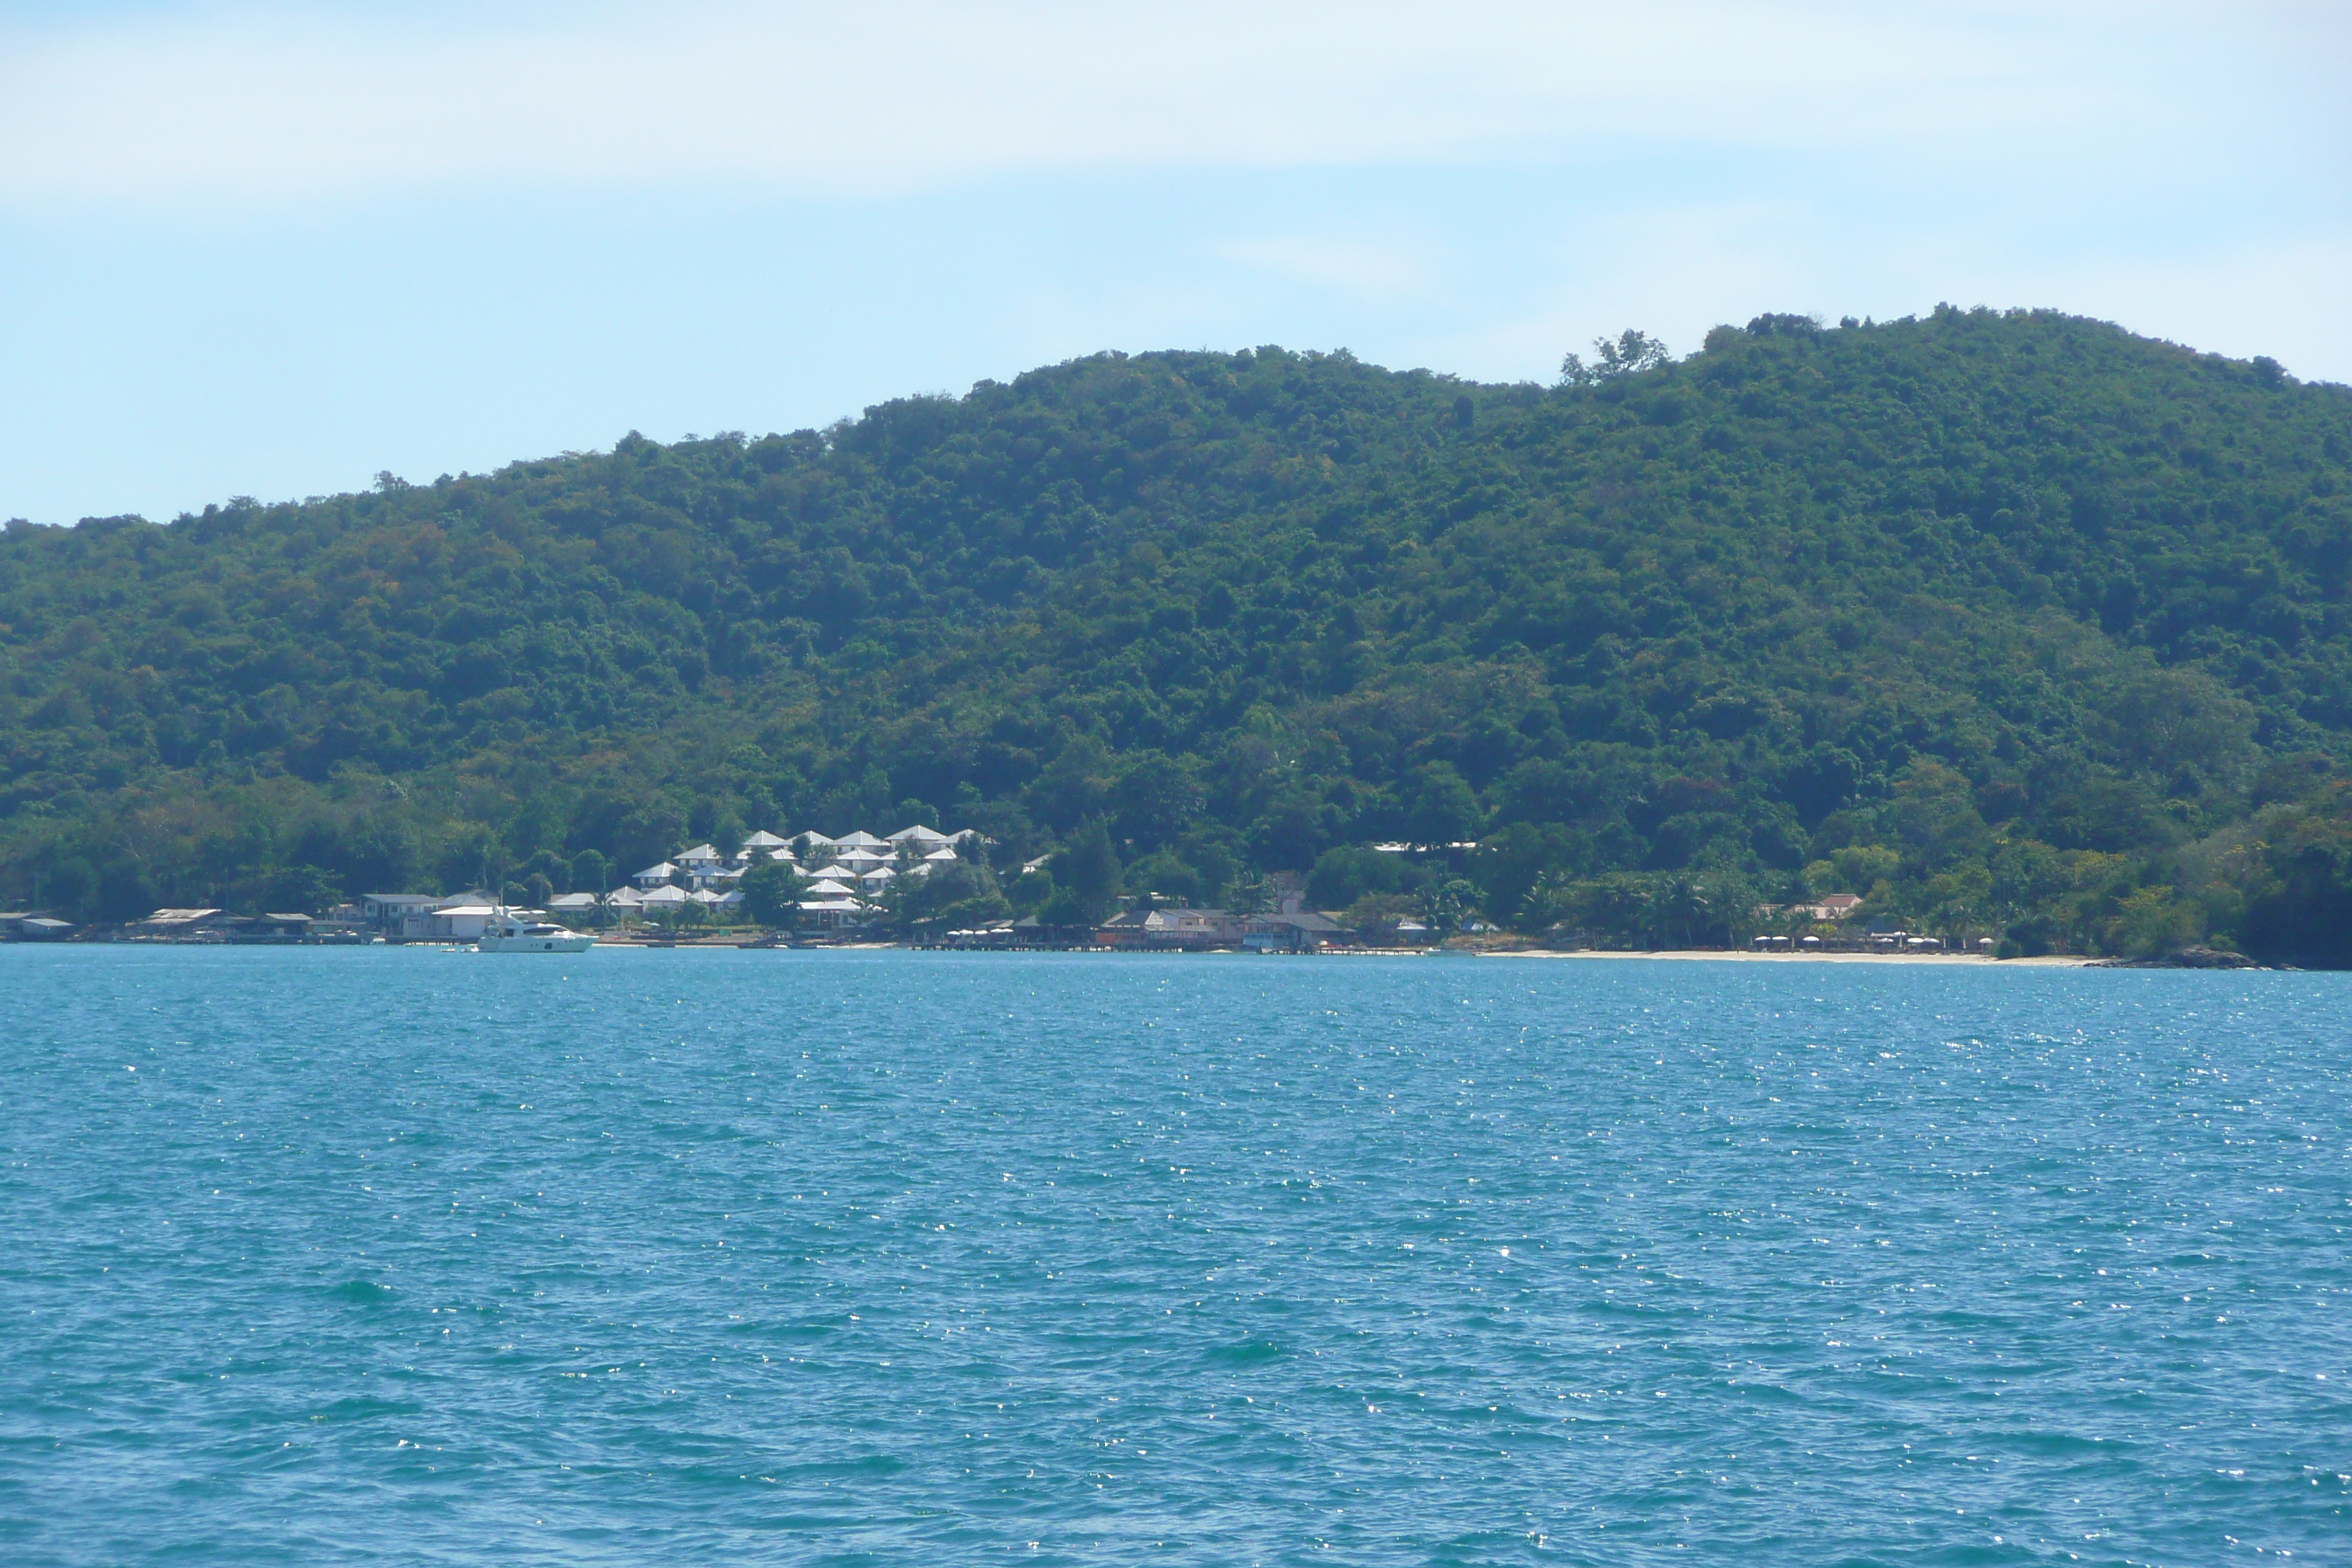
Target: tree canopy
{"points": [[2003, 619]]}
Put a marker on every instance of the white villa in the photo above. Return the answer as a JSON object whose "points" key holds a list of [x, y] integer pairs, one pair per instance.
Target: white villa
{"points": [[846, 876], [845, 881]]}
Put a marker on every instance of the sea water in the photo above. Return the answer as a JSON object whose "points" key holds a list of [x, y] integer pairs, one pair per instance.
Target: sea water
{"points": [[403, 1256]]}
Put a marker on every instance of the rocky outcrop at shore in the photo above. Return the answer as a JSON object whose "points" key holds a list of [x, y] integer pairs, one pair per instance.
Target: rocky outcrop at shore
{"points": [[2184, 958]]}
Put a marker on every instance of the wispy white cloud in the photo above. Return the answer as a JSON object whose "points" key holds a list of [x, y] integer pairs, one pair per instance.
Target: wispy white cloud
{"points": [[272, 102]]}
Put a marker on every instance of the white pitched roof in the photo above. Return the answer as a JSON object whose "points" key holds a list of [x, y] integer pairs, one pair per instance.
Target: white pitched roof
{"points": [[763, 839], [813, 837], [664, 869], [918, 833], [827, 887], [939, 857], [701, 895], [861, 836], [699, 852], [624, 899], [665, 895]]}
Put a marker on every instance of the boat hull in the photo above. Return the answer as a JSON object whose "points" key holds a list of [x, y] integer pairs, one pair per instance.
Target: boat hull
{"points": [[574, 943]]}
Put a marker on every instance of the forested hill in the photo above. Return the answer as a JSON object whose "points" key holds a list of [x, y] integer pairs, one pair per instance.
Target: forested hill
{"points": [[2012, 621]]}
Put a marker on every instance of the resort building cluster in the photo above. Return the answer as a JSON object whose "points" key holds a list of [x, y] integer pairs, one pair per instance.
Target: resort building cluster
{"points": [[845, 886], [843, 878], [844, 881]]}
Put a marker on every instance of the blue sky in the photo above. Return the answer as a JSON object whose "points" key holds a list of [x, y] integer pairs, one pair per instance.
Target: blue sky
{"points": [[269, 250]]}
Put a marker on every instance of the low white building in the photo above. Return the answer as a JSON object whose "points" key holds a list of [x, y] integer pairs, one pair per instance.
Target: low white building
{"points": [[462, 919], [169, 922], [832, 915]]}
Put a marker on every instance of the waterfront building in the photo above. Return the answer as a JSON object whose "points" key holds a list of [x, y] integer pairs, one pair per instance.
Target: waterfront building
{"points": [[462, 919], [175, 922], [398, 914]]}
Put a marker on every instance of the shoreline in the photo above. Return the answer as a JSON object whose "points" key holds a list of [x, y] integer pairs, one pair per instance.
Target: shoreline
{"points": [[1730, 956], [1677, 955]]}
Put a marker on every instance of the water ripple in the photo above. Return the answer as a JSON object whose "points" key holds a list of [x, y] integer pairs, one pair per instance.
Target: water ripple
{"points": [[386, 1255]]}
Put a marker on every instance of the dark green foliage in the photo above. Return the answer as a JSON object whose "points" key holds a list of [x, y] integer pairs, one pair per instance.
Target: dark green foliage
{"points": [[771, 894], [2307, 919], [1660, 909], [2296, 879], [1088, 873], [1446, 903], [2001, 620], [1344, 875], [954, 897]]}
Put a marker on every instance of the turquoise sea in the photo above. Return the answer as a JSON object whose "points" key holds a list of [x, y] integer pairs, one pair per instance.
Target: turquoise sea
{"points": [[398, 1256]]}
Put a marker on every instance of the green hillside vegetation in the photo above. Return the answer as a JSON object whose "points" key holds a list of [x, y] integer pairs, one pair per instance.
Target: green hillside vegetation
{"points": [[2011, 622]]}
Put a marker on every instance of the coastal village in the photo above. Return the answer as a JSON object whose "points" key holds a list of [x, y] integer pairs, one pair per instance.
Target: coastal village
{"points": [[847, 886], [845, 882]]}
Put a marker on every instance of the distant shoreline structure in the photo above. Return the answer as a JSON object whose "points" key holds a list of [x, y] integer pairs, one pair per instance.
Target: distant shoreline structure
{"points": [[1741, 955], [1675, 955]]}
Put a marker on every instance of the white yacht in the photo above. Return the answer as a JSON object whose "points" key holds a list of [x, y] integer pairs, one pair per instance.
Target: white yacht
{"points": [[510, 932]]}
